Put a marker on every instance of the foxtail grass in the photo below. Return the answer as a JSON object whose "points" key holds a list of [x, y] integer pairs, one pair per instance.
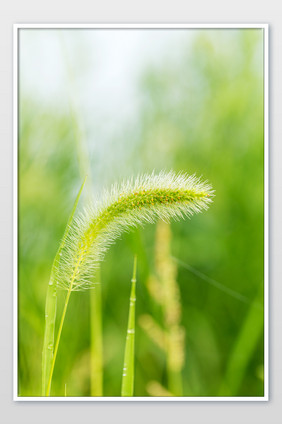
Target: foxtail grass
{"points": [[171, 305], [155, 332], [162, 196], [127, 386], [145, 200], [164, 289]]}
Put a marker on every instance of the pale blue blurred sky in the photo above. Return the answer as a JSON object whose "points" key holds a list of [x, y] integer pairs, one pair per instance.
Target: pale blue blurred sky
{"points": [[106, 66], [99, 72]]}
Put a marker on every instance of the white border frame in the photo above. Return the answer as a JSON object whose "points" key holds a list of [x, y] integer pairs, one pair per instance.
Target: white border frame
{"points": [[16, 29]]}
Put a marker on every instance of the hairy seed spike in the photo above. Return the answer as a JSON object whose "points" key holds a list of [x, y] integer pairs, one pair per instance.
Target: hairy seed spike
{"points": [[151, 197]]}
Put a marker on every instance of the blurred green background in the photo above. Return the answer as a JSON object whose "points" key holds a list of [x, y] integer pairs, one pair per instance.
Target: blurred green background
{"points": [[129, 102]]}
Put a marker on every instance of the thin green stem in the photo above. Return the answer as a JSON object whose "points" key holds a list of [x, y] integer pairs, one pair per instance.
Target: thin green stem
{"points": [[58, 341], [128, 365], [75, 271], [51, 305]]}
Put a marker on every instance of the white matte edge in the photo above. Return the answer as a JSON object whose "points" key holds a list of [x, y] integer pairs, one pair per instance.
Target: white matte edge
{"points": [[266, 212], [15, 213], [16, 28], [139, 26], [144, 399]]}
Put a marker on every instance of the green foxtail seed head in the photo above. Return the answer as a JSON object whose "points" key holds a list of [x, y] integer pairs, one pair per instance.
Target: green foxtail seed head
{"points": [[149, 198]]}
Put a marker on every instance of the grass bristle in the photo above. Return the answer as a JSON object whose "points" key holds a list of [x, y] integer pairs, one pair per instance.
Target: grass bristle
{"points": [[163, 196]]}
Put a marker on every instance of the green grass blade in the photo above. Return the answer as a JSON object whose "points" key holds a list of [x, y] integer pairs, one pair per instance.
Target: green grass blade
{"points": [[128, 365], [51, 306], [243, 349], [96, 348]]}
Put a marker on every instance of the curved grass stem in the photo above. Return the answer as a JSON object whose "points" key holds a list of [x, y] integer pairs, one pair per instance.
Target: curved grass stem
{"points": [[57, 342], [75, 271], [51, 305]]}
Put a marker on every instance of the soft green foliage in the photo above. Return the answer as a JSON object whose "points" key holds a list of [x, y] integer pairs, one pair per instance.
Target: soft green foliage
{"points": [[251, 331], [96, 351], [127, 386]]}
